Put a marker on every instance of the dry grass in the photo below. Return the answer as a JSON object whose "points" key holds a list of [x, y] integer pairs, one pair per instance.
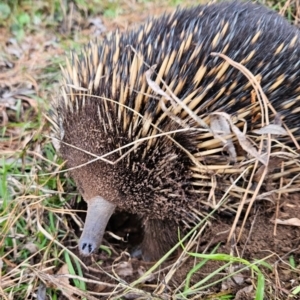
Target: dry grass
{"points": [[38, 200]]}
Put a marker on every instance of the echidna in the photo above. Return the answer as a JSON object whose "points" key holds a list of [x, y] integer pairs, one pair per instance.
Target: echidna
{"points": [[129, 146]]}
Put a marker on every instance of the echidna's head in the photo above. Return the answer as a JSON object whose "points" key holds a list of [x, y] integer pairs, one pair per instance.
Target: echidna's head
{"points": [[117, 164], [122, 148]]}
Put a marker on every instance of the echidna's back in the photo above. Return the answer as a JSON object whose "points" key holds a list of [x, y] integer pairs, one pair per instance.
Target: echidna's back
{"points": [[181, 46], [242, 31]]}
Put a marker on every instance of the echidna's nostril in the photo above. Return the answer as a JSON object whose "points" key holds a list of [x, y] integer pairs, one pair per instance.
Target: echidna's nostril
{"points": [[87, 247]]}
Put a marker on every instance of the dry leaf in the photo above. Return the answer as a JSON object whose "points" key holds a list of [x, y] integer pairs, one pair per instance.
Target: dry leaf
{"points": [[124, 269], [243, 141], [62, 271], [141, 271], [271, 129], [65, 282], [220, 128], [245, 293], [237, 279], [31, 247], [291, 222]]}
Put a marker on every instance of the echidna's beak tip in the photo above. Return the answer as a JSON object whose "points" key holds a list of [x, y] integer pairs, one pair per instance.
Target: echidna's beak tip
{"points": [[98, 214], [87, 247]]}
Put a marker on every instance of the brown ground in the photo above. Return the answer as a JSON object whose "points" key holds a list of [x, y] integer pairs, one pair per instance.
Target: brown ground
{"points": [[260, 239]]}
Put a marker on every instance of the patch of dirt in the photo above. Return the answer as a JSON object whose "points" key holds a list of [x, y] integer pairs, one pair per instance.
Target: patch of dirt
{"points": [[260, 239]]}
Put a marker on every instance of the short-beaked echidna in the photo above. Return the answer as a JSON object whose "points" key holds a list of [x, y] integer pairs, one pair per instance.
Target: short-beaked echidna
{"points": [[107, 107]]}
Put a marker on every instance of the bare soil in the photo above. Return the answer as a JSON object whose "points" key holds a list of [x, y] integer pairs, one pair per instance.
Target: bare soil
{"points": [[261, 238]]}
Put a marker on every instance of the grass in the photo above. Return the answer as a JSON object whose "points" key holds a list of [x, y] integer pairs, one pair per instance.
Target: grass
{"points": [[37, 215]]}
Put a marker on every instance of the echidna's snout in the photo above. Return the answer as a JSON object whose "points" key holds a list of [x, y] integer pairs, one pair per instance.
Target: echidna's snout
{"points": [[98, 214]]}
